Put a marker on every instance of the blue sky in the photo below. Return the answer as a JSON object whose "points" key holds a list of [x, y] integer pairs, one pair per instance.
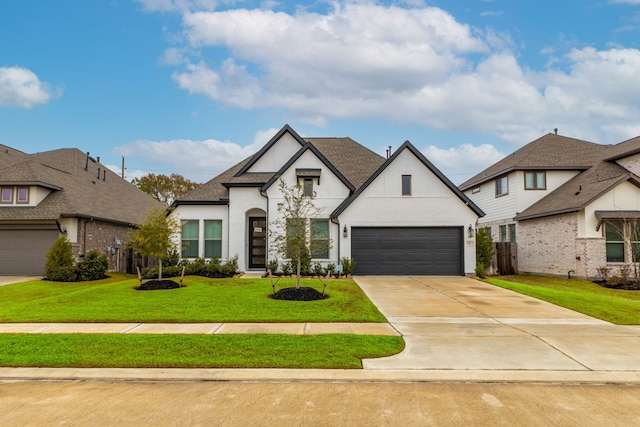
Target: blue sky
{"points": [[194, 86]]}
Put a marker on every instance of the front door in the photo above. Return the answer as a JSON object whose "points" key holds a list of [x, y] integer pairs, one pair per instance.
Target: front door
{"points": [[257, 241]]}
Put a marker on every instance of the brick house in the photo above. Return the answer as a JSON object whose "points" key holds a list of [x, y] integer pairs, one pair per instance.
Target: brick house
{"points": [[571, 205], [63, 191], [394, 215]]}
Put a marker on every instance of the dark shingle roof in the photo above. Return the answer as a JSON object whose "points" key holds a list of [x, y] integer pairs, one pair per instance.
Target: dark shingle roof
{"points": [[548, 152], [353, 161], [96, 192]]}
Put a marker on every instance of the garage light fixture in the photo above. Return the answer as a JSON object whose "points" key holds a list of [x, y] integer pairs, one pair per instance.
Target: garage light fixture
{"points": [[345, 232], [470, 231]]}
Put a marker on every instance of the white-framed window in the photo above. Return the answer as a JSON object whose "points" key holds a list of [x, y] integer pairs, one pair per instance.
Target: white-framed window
{"points": [[22, 195], [319, 238], [406, 185], [213, 239], [502, 186], [190, 231], [535, 180], [475, 190], [6, 195]]}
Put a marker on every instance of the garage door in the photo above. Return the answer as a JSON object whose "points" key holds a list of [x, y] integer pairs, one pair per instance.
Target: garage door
{"points": [[436, 251], [23, 251]]}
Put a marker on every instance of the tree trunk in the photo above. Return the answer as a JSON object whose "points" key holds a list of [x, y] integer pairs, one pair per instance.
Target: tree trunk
{"points": [[298, 274], [160, 270]]}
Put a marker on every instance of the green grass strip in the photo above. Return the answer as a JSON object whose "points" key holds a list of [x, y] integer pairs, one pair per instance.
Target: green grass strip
{"points": [[194, 351], [616, 306], [202, 300]]}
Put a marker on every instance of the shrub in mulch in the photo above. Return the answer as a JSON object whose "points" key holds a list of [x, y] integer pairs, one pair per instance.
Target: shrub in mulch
{"points": [[301, 294], [154, 285], [626, 286]]}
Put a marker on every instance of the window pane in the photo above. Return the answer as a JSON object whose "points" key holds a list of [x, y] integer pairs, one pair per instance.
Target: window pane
{"points": [[512, 232], [213, 229], [614, 231], [213, 249], [190, 239], [502, 186], [406, 185], [541, 180], [23, 195], [189, 248], [528, 180], [7, 195], [308, 187], [503, 233], [615, 252], [320, 238], [189, 229]]}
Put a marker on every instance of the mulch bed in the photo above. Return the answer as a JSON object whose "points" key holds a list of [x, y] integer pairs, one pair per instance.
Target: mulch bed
{"points": [[626, 286], [302, 294], [154, 285]]}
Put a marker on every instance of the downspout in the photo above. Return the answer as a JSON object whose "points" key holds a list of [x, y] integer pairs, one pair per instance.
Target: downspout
{"points": [[335, 221]]}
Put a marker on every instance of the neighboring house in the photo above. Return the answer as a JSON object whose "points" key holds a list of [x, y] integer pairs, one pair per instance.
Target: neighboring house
{"points": [[63, 191], [569, 204], [398, 215]]}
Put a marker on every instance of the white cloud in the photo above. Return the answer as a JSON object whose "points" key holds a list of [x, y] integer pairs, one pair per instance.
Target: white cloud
{"points": [[195, 160], [20, 87], [180, 5], [354, 62], [460, 163]]}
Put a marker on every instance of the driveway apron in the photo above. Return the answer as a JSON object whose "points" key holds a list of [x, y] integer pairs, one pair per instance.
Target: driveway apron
{"points": [[460, 323]]}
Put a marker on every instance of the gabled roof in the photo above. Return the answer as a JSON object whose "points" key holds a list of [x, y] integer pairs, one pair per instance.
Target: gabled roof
{"points": [[308, 147], [94, 192], [549, 152], [408, 146], [579, 191], [351, 162]]}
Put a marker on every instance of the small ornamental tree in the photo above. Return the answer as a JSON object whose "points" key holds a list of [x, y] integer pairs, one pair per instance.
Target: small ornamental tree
{"points": [[153, 237], [484, 251], [291, 231]]}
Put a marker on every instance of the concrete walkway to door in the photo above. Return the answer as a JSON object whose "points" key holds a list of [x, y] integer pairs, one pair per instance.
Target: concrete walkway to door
{"points": [[458, 323]]}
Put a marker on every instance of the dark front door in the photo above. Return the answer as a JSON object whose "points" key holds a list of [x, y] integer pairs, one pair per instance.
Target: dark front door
{"points": [[257, 241]]}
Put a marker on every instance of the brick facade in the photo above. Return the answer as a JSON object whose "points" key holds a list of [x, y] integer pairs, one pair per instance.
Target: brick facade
{"points": [[100, 235]]}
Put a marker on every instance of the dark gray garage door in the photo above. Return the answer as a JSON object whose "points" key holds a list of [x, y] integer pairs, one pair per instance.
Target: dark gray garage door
{"points": [[23, 251], [435, 251]]}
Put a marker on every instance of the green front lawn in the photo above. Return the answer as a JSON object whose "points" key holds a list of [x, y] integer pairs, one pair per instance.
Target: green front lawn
{"points": [[615, 306], [194, 351], [201, 300]]}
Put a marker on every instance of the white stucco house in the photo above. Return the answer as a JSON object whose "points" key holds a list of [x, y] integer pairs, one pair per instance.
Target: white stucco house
{"points": [[571, 205], [395, 215]]}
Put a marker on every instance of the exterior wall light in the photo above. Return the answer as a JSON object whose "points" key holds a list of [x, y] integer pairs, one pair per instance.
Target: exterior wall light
{"points": [[470, 231], [345, 232]]}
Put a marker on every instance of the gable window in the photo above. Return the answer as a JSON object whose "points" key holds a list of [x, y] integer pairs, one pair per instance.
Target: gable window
{"points": [[475, 190], [502, 186], [535, 180], [307, 184], [213, 239], [23, 195], [6, 194], [190, 239], [319, 238], [406, 185]]}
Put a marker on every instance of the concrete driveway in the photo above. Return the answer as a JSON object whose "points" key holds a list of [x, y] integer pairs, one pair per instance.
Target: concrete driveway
{"points": [[7, 280], [458, 323]]}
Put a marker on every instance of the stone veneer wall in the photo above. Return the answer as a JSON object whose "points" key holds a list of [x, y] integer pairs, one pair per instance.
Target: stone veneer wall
{"points": [[100, 235], [548, 245]]}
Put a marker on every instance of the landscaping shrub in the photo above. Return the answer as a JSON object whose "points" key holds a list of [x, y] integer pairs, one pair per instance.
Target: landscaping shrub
{"points": [[347, 266], [197, 267], [484, 252], [94, 267], [59, 264], [273, 265], [61, 274]]}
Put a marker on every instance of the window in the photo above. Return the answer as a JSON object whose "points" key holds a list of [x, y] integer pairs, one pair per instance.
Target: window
{"points": [[308, 187], [190, 239], [213, 239], [503, 233], [616, 233], [512, 232], [535, 180], [319, 238], [7, 195], [475, 190], [502, 186], [23, 195], [406, 185]]}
